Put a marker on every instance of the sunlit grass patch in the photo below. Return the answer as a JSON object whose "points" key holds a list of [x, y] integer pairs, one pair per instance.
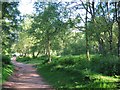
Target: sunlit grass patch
{"points": [[85, 79], [101, 81], [77, 74]]}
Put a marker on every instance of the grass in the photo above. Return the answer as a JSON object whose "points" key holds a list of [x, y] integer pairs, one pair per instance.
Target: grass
{"points": [[85, 79], [76, 72]]}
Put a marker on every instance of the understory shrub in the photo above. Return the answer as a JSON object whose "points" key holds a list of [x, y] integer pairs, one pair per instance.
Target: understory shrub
{"points": [[107, 65], [44, 59], [7, 67], [6, 60], [7, 71], [23, 59]]}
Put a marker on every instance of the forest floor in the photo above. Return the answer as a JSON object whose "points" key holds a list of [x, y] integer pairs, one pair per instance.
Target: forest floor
{"points": [[25, 77]]}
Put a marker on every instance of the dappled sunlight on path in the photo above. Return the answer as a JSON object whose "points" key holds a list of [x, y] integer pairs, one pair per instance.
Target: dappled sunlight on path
{"points": [[25, 76]]}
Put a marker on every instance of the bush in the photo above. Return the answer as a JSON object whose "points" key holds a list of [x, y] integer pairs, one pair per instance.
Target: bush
{"points": [[6, 59], [66, 61], [23, 59], [7, 71], [107, 65], [44, 59]]}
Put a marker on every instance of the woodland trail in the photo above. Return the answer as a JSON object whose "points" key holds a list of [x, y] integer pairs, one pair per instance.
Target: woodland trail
{"points": [[26, 77]]}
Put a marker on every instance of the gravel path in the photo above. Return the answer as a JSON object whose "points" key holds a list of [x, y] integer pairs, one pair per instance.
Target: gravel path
{"points": [[25, 77]]}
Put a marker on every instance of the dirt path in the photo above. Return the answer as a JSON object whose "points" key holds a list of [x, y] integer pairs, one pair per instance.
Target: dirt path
{"points": [[26, 77]]}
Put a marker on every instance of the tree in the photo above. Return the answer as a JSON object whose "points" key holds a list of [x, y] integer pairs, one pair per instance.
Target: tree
{"points": [[25, 41], [48, 25], [9, 24]]}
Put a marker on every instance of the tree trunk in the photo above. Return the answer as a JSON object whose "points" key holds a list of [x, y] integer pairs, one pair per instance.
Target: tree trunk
{"points": [[118, 21], [87, 40], [118, 29], [48, 48], [119, 38], [49, 54], [25, 54], [33, 55], [93, 8], [101, 49], [109, 29], [110, 38], [37, 54]]}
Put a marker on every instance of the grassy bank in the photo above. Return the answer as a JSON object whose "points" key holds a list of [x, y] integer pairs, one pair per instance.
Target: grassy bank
{"points": [[76, 72]]}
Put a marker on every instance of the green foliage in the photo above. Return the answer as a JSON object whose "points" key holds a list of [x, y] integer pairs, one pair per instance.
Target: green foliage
{"points": [[66, 60], [108, 65], [26, 41], [7, 67], [75, 44], [59, 34], [39, 60], [76, 74], [23, 59], [7, 71], [10, 15], [52, 31], [5, 60], [43, 59]]}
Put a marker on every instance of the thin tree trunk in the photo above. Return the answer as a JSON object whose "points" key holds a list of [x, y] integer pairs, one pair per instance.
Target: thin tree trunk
{"points": [[48, 48], [37, 54], [118, 21], [93, 15], [49, 54], [109, 30], [100, 41], [25, 54], [119, 38], [87, 40], [33, 55], [110, 37]]}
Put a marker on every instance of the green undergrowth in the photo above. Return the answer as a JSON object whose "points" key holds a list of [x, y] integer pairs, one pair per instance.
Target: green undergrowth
{"points": [[81, 79], [64, 78], [7, 68], [28, 60], [0, 73], [77, 72], [23, 59], [7, 71]]}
